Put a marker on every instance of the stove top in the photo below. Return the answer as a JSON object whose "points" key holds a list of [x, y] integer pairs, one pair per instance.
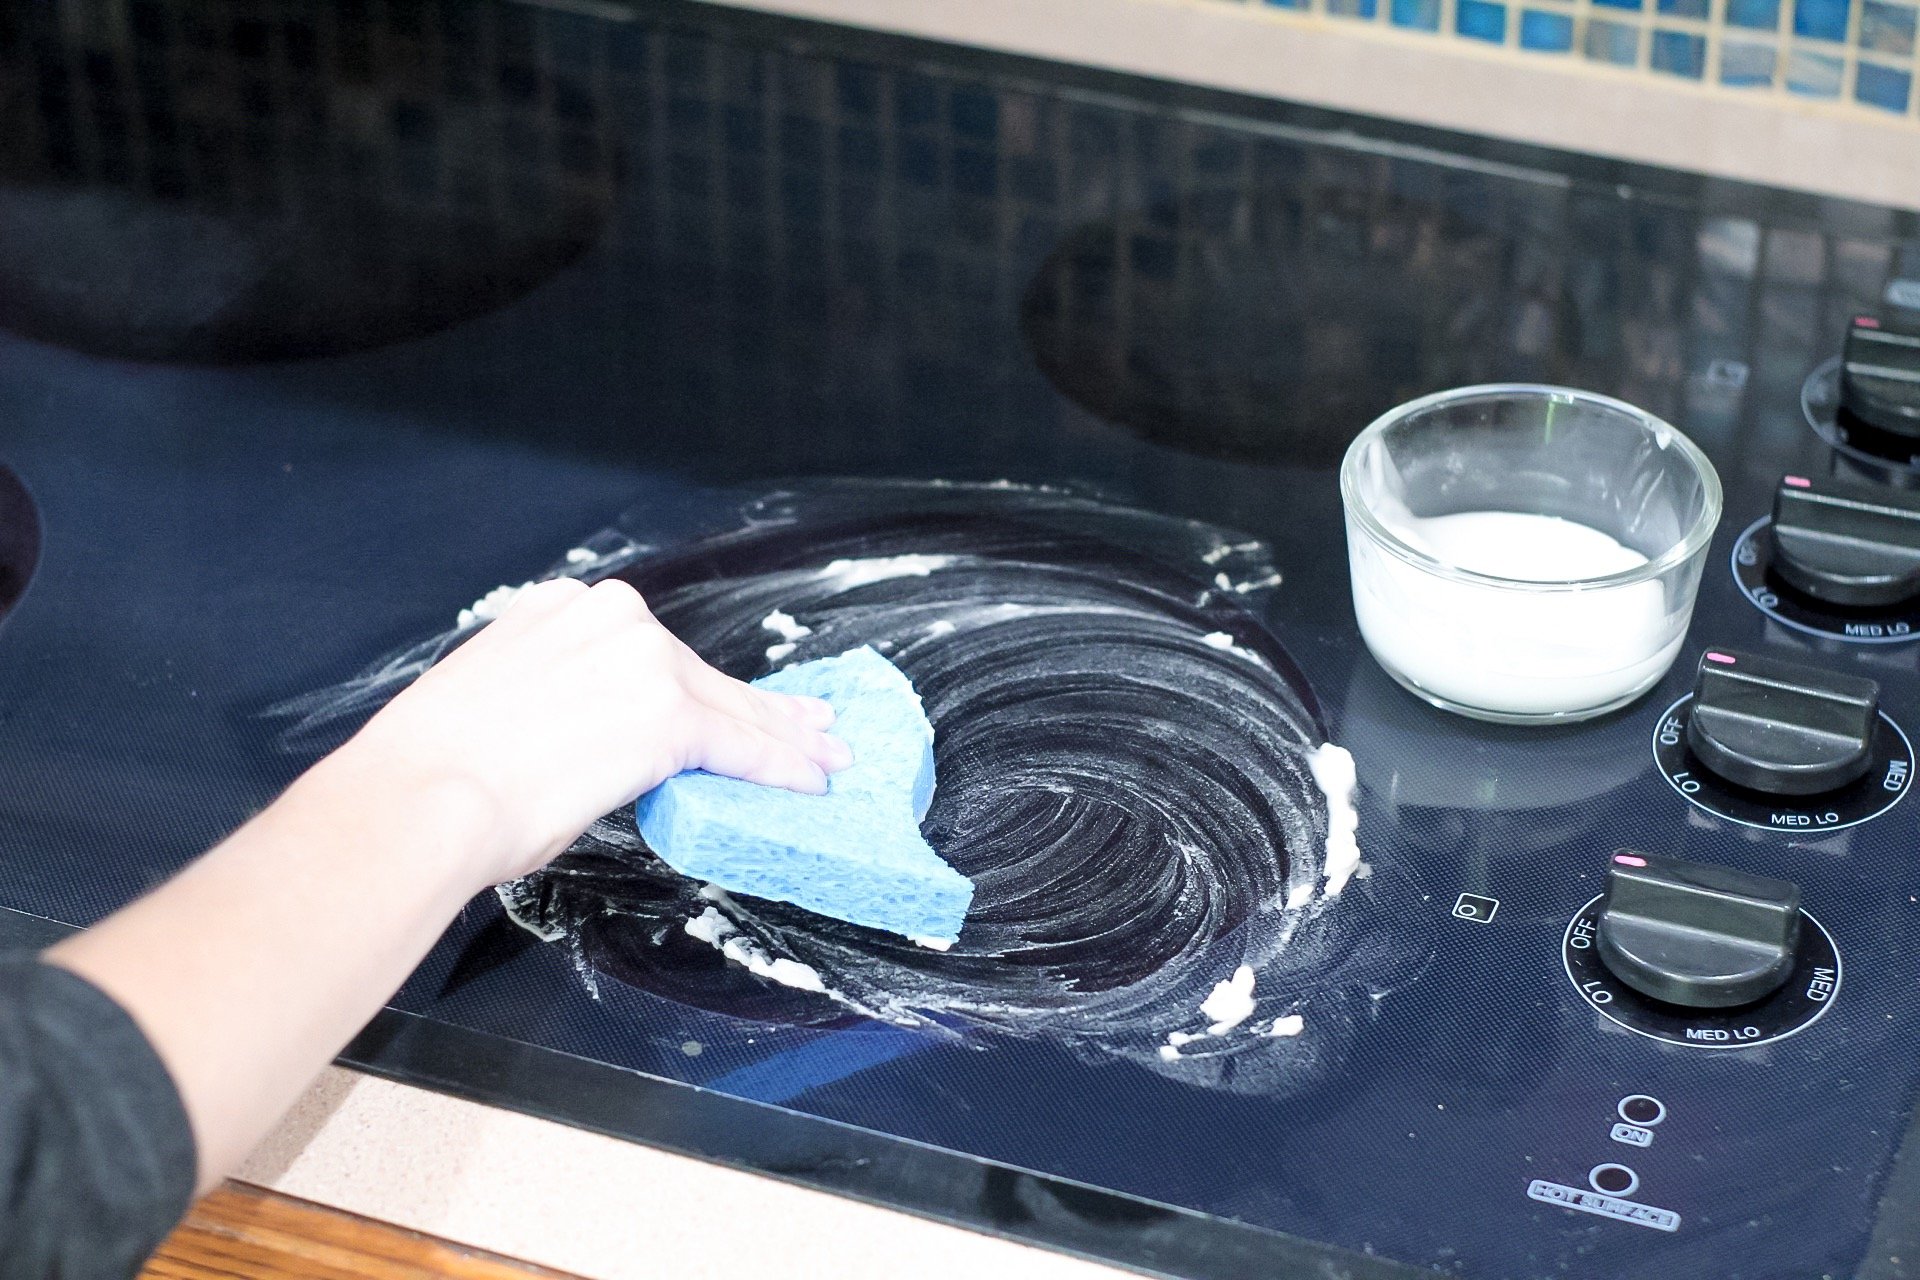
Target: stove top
{"points": [[715, 301]]}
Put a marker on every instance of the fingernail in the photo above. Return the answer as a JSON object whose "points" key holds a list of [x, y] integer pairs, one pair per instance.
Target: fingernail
{"points": [[818, 711], [817, 783]]}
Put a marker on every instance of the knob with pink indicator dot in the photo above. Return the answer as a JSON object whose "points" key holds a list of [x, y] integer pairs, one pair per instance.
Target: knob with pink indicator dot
{"points": [[1781, 728], [1695, 934], [1880, 387], [1853, 546]]}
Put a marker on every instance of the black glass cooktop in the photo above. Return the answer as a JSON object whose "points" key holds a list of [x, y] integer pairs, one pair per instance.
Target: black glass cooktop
{"points": [[317, 327]]}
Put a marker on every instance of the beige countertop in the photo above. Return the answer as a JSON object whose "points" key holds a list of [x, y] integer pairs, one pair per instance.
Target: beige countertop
{"points": [[599, 1206]]}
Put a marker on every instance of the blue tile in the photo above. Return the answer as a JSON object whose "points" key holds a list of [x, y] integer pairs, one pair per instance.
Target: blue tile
{"points": [[1886, 28], [1821, 19], [1815, 75], [1288, 4], [1422, 15], [1878, 86], [1481, 20], [1635, 5], [1684, 8], [1615, 42], [1761, 15], [1743, 65], [1353, 8], [1549, 32], [1679, 53]]}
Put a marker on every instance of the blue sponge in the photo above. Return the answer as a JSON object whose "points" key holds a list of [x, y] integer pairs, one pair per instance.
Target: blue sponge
{"points": [[855, 853]]}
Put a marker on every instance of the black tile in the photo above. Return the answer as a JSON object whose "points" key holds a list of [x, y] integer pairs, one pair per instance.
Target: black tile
{"points": [[686, 62], [976, 114], [743, 74], [148, 19], [1031, 179], [252, 38], [860, 150], [916, 100], [1093, 135], [857, 90], [917, 160], [573, 100], [802, 140], [975, 172], [519, 82], [802, 198]]}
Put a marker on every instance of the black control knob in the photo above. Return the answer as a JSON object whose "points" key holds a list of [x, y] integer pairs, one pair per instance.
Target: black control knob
{"points": [[1880, 387], [1780, 727], [1847, 544], [1695, 934]]}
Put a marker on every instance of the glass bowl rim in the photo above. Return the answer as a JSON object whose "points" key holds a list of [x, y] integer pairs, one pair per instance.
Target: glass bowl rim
{"points": [[1693, 543]]}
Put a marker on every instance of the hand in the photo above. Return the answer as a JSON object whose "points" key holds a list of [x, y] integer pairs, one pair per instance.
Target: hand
{"points": [[574, 702]]}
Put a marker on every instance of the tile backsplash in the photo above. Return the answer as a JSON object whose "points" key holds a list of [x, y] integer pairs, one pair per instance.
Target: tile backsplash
{"points": [[1859, 52]]}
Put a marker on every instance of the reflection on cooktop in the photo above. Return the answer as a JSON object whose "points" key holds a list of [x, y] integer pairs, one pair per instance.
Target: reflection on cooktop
{"points": [[193, 186], [1269, 323]]}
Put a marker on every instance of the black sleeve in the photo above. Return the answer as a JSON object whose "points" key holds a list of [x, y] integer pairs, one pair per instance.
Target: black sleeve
{"points": [[97, 1162]]}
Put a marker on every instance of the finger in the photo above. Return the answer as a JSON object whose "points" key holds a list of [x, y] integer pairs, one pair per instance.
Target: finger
{"points": [[773, 714], [732, 747], [815, 713], [830, 753], [770, 711]]}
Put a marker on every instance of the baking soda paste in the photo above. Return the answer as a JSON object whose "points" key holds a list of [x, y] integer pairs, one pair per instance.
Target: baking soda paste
{"points": [[1510, 650]]}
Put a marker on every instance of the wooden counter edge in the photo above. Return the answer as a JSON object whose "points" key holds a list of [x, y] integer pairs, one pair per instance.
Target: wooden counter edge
{"points": [[241, 1232]]}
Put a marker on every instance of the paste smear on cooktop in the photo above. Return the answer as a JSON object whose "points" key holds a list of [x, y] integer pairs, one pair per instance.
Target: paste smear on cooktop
{"points": [[1132, 772]]}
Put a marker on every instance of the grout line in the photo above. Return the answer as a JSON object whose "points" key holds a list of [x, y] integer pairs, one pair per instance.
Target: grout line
{"points": [[1783, 46], [1716, 39], [1850, 54]]}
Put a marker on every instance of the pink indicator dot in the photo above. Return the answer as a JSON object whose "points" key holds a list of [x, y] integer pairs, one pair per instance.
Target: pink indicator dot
{"points": [[1796, 482], [1724, 659], [1866, 322], [1628, 860]]}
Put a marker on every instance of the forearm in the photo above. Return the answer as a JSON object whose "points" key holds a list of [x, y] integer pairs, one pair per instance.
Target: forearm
{"points": [[251, 969]]}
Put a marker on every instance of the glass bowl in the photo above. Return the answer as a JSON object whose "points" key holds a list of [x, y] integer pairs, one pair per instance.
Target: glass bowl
{"points": [[1526, 554]]}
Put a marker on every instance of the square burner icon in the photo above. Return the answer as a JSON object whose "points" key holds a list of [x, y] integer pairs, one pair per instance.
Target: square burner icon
{"points": [[1472, 906]]}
